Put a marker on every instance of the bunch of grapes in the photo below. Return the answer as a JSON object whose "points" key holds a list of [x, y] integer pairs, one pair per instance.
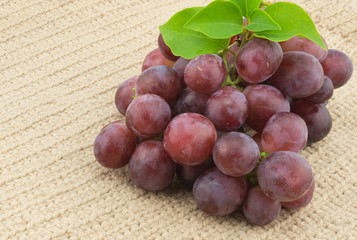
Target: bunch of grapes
{"points": [[230, 125]]}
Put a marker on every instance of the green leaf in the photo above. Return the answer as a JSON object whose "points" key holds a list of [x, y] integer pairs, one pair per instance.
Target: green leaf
{"points": [[294, 21], [219, 19], [185, 42], [261, 21], [247, 6]]}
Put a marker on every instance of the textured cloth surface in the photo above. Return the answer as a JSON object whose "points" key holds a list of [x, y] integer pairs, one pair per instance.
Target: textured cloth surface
{"points": [[60, 64]]}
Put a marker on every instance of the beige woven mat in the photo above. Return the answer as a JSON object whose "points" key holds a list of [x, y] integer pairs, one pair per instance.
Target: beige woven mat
{"points": [[60, 64]]}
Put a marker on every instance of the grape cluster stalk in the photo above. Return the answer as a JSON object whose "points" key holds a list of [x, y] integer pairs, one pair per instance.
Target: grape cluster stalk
{"points": [[229, 126]]}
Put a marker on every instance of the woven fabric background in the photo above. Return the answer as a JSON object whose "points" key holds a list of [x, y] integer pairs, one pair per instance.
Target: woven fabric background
{"points": [[60, 64]]}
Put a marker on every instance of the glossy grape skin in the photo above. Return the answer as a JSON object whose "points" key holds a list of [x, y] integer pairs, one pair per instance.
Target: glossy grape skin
{"points": [[285, 176], [260, 209], [263, 102], [337, 66], [205, 73], [300, 75], [165, 50], [258, 140], [189, 138], [160, 80], [302, 201], [284, 131], [179, 67], [323, 94], [218, 194], [188, 174], [150, 167], [304, 45], [148, 115], [235, 154], [316, 117], [125, 94], [190, 101], [114, 145], [227, 109], [258, 60], [155, 58]]}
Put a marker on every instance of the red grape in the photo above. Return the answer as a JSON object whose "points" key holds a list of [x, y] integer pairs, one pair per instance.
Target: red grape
{"points": [[189, 138], [323, 94], [227, 109], [179, 67], [190, 101], [258, 140], [260, 209], [148, 115], [263, 102], [218, 194], [285, 176], [155, 58], [205, 73], [125, 94], [284, 131], [302, 201], [114, 145], [230, 57], [165, 50], [150, 167], [235, 154]]}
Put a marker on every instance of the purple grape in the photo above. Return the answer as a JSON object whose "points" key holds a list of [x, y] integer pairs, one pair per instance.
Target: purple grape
{"points": [[190, 101], [337, 66], [304, 45], [235, 154], [300, 75], [165, 50], [316, 117], [285, 176], [284, 131], [160, 80], [227, 109], [323, 94], [218, 194], [148, 115], [260, 209], [150, 167], [258, 140], [114, 145], [179, 67], [230, 56], [263, 102], [189, 138], [258, 60], [155, 58], [188, 174], [205, 73], [125, 94], [302, 201]]}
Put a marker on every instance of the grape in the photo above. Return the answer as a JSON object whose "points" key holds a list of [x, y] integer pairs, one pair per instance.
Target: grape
{"points": [[148, 115], [218, 194], [304, 45], [179, 67], [323, 94], [188, 174], [125, 94], [150, 167], [236, 154], [258, 60], [189, 138], [155, 58], [302, 201], [160, 80], [284, 131], [227, 109], [337, 66], [284, 176], [258, 140], [316, 117], [165, 50], [114, 145], [260, 209], [205, 73], [230, 57], [190, 101], [300, 75], [263, 102]]}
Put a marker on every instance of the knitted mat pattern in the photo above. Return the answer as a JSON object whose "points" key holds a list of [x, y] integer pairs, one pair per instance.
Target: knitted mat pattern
{"points": [[60, 65]]}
